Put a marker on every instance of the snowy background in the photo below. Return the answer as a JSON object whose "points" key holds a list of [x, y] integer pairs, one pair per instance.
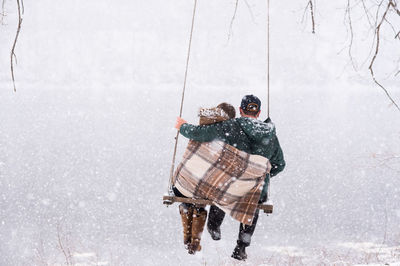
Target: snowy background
{"points": [[86, 142]]}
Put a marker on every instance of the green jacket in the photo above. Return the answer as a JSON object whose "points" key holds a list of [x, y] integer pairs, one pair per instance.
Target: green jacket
{"points": [[247, 134]]}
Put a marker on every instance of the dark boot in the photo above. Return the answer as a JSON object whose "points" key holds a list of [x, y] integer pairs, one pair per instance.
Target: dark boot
{"points": [[215, 218], [214, 232], [239, 252], [186, 212], [247, 231], [244, 238], [199, 220]]}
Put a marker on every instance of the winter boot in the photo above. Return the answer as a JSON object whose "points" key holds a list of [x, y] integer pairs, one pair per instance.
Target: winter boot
{"points": [[186, 212], [214, 232], [199, 220], [239, 252]]}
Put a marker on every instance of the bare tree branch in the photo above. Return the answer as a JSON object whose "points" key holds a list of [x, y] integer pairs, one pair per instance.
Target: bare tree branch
{"points": [[379, 20], [394, 5], [366, 12], [230, 34], [20, 4], [388, 161], [385, 231], [40, 253], [305, 12], [250, 11], [348, 13], [391, 26], [66, 253], [312, 12], [3, 12], [312, 16], [377, 45], [373, 26]]}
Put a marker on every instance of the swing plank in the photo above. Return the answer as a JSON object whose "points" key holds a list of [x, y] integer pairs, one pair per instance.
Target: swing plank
{"points": [[169, 200]]}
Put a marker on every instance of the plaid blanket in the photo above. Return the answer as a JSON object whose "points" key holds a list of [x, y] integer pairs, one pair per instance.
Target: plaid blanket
{"points": [[231, 178]]}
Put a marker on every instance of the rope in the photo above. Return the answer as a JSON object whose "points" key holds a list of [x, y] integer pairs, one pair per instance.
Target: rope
{"points": [[269, 185], [183, 97], [268, 57]]}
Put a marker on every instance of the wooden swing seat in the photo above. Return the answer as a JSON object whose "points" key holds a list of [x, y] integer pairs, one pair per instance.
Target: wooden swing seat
{"points": [[169, 200]]}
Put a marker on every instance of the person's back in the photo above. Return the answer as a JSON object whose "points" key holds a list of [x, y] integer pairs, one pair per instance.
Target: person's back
{"points": [[262, 142]]}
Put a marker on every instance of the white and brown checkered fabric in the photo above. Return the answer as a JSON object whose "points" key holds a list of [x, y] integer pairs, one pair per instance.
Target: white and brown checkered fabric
{"points": [[219, 172]]}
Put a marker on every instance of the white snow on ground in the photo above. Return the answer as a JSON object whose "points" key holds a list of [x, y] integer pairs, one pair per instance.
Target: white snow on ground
{"points": [[86, 142]]}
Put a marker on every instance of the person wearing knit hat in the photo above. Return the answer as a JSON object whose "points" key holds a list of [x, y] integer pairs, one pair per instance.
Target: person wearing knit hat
{"points": [[251, 105]]}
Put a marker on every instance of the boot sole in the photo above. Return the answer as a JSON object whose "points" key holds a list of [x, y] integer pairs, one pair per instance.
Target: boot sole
{"points": [[238, 257], [216, 238]]}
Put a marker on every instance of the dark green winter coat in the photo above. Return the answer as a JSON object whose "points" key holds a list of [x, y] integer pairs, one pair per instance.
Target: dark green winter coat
{"points": [[247, 134]]}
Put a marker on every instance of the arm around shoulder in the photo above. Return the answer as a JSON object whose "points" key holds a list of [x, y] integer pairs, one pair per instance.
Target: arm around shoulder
{"points": [[204, 133]]}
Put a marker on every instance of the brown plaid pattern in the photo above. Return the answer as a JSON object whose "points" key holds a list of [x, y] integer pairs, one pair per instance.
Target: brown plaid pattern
{"points": [[231, 178]]}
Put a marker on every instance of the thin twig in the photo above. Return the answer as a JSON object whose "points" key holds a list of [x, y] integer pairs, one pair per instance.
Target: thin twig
{"points": [[40, 253], [232, 20], [3, 12], [377, 34], [386, 160], [371, 51], [61, 246], [305, 12], [312, 16], [366, 12], [250, 11], [312, 11], [385, 232], [394, 5], [391, 26], [12, 54], [348, 8]]}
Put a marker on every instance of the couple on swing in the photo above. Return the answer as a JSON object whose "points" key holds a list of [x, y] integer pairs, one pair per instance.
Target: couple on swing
{"points": [[228, 161]]}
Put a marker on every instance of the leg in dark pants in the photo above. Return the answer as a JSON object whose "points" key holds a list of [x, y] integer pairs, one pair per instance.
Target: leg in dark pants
{"points": [[247, 231], [244, 238], [215, 218]]}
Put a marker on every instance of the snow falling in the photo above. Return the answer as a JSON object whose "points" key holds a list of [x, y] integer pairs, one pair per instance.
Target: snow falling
{"points": [[86, 142]]}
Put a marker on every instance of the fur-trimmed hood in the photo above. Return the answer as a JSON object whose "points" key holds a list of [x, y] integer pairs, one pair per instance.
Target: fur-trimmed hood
{"points": [[212, 115]]}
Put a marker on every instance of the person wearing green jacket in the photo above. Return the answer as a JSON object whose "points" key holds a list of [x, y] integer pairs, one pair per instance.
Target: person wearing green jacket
{"points": [[250, 135]]}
